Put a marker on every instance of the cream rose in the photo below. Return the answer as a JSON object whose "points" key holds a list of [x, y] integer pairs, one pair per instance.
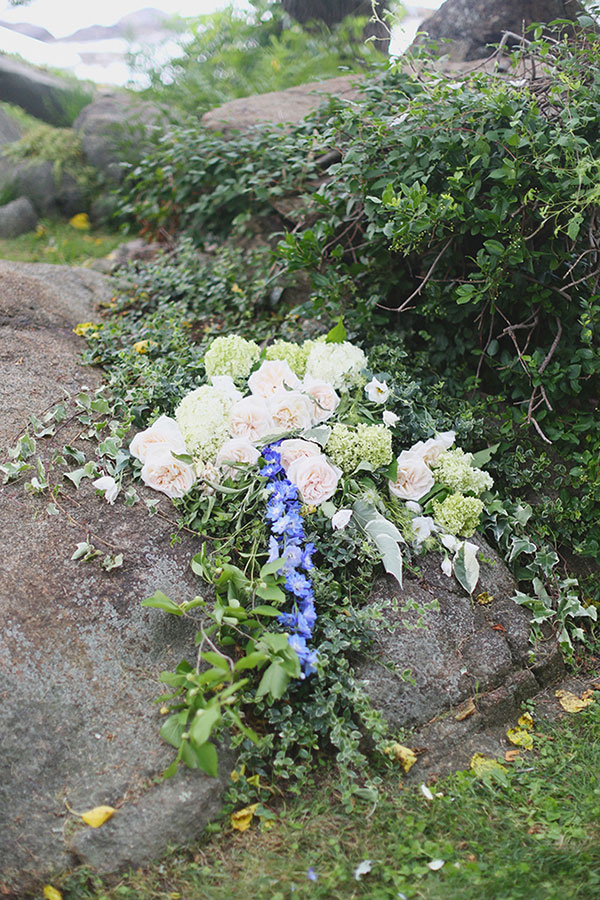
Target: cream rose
{"points": [[291, 410], [250, 418], [163, 433], [325, 398], [315, 478], [414, 478], [430, 450], [237, 450], [162, 472], [292, 450], [271, 377]]}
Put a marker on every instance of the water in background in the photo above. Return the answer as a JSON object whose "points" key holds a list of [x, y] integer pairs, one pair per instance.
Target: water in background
{"points": [[105, 61]]}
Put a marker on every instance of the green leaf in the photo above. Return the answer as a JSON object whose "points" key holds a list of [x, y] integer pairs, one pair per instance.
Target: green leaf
{"points": [[216, 659], [183, 457], [271, 568], [172, 729], [160, 601], [76, 475], [251, 661], [466, 566], [266, 610], [318, 435], [392, 470], [206, 756], [204, 722], [270, 592], [274, 681], [391, 556], [337, 335], [482, 457]]}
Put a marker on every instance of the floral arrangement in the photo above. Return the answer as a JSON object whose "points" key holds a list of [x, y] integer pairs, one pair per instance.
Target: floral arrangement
{"points": [[299, 438]]}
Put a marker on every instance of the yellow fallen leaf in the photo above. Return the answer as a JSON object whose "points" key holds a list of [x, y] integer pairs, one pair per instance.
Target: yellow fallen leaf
{"points": [[83, 327], [254, 780], [141, 346], [236, 289], [571, 702], [80, 221], [97, 816], [520, 738], [484, 598], [404, 755], [525, 721], [51, 893], [466, 710], [241, 819], [485, 765]]}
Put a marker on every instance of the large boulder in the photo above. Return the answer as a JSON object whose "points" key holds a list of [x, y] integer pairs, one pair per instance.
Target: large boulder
{"points": [[114, 128], [52, 192], [467, 29], [280, 107], [17, 218], [439, 653], [79, 657], [47, 97]]}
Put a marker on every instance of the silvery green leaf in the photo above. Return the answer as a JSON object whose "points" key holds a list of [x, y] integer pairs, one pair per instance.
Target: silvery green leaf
{"points": [[319, 434], [466, 566], [391, 557]]}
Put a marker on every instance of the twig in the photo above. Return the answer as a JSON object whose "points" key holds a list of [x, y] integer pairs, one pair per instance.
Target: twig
{"points": [[418, 290]]}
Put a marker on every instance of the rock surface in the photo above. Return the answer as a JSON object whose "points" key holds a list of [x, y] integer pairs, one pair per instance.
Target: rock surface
{"points": [[464, 29], [109, 123], [44, 96], [280, 107], [439, 650], [79, 657], [17, 218], [50, 193]]}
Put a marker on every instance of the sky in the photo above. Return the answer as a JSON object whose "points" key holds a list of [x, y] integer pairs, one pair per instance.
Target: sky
{"points": [[63, 17]]}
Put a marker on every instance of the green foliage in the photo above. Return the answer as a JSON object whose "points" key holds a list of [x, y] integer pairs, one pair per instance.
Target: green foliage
{"points": [[60, 243], [234, 53], [60, 146], [459, 217]]}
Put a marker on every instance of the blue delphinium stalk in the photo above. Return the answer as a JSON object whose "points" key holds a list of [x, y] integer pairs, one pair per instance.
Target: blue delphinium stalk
{"points": [[287, 543]]}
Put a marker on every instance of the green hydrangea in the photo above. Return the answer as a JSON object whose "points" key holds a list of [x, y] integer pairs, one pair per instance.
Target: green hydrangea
{"points": [[347, 447], [203, 419], [375, 444], [454, 468], [231, 355], [457, 514], [294, 354]]}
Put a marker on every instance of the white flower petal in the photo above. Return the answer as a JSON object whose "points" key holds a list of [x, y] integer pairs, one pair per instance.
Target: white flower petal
{"points": [[110, 487], [446, 566], [436, 864], [377, 391], [363, 868], [340, 519], [389, 418], [426, 792]]}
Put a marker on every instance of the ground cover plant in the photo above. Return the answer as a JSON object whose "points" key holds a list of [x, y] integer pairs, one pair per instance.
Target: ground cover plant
{"points": [[514, 833]]}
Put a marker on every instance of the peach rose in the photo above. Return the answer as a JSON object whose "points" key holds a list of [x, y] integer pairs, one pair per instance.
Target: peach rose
{"points": [[315, 478], [430, 450], [414, 478], [163, 433], [292, 450], [291, 410], [271, 377], [162, 472], [325, 399], [237, 450], [250, 418]]}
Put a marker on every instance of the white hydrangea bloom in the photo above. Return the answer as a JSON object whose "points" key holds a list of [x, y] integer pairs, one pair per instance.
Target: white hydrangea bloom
{"points": [[338, 364], [203, 417]]}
